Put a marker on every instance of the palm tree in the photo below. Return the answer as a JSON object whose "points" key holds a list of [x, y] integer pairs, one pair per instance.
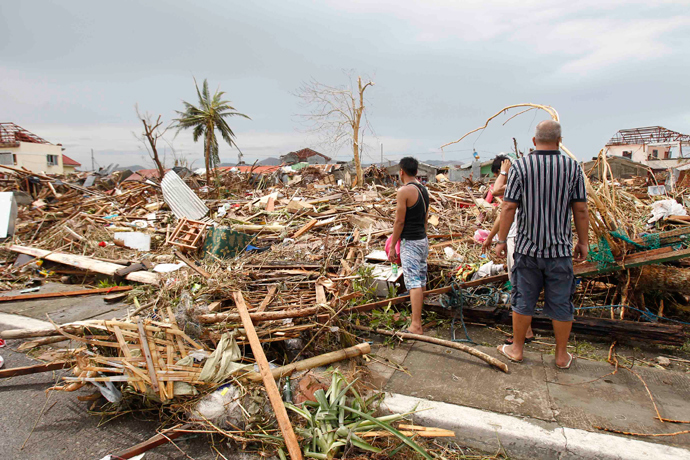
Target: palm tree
{"points": [[204, 119]]}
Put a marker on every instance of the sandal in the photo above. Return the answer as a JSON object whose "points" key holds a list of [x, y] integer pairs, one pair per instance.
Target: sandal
{"points": [[567, 366], [501, 350], [509, 340]]}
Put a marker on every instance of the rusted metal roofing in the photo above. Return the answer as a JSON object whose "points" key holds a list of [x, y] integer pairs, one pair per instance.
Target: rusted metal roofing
{"points": [[11, 135], [182, 200]]}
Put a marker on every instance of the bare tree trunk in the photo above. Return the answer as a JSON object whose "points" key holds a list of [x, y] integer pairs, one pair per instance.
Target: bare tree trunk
{"points": [[207, 158], [150, 137], [355, 126]]}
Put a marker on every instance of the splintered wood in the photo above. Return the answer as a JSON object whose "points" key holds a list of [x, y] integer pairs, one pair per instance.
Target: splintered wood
{"points": [[146, 355]]}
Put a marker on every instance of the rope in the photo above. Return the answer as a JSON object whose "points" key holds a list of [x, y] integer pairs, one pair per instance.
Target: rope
{"points": [[457, 298]]}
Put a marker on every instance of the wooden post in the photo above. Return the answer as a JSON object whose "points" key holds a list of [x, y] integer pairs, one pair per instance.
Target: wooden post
{"points": [[270, 384]]}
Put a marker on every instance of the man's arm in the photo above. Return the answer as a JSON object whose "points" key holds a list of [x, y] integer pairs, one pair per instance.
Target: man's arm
{"points": [[581, 218], [400, 210], [502, 179], [494, 231], [506, 220]]}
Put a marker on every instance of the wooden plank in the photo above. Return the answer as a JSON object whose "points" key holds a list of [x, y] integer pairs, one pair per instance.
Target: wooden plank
{"points": [[85, 263], [271, 204], [268, 299], [147, 353], [47, 295], [211, 318], [190, 263], [305, 228], [269, 382], [155, 441], [38, 368], [638, 259]]}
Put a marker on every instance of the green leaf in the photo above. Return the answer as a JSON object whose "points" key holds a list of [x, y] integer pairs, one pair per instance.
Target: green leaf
{"points": [[397, 433], [361, 444]]}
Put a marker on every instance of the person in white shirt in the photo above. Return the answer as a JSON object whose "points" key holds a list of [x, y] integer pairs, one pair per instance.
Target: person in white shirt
{"points": [[500, 169]]}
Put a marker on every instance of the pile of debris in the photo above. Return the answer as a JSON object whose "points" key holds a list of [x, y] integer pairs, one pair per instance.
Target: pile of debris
{"points": [[293, 265]]}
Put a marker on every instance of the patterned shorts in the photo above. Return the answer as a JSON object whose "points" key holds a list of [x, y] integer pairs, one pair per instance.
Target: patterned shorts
{"points": [[413, 256]]}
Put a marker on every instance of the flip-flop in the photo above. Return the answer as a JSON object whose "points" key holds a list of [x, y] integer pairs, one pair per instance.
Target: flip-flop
{"points": [[567, 366], [501, 350], [509, 340]]}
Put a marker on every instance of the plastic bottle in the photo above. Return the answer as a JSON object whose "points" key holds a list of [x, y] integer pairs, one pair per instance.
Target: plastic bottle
{"points": [[394, 269]]}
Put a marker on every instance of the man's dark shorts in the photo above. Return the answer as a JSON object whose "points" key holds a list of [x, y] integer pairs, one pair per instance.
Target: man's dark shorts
{"points": [[531, 274]]}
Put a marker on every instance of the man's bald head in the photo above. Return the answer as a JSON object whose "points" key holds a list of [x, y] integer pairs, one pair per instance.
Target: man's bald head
{"points": [[548, 133]]}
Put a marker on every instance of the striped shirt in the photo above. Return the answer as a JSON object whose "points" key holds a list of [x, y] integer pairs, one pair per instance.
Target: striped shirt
{"points": [[545, 184]]}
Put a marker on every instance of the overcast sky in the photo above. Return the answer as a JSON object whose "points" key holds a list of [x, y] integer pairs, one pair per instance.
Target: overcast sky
{"points": [[72, 71]]}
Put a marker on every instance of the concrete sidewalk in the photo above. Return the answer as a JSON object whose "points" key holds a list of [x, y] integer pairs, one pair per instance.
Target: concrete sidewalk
{"points": [[542, 396]]}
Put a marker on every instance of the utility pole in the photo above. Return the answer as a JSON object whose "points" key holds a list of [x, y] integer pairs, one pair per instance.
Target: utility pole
{"points": [[381, 152], [93, 167]]}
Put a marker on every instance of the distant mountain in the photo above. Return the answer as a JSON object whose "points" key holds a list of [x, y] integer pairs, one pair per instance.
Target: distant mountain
{"points": [[444, 163], [270, 161]]}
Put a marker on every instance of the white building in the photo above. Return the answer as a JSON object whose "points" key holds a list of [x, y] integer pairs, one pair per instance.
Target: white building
{"points": [[21, 148], [651, 143]]}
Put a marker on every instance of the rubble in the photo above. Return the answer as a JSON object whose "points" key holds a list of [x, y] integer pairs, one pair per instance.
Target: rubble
{"points": [[288, 261]]}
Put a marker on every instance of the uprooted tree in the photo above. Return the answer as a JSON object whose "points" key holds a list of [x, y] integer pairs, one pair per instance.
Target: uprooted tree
{"points": [[337, 113], [153, 131], [204, 119]]}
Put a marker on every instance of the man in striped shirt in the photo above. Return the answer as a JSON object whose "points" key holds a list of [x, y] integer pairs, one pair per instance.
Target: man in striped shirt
{"points": [[549, 189]]}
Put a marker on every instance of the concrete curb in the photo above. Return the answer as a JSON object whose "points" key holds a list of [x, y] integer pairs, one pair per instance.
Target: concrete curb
{"points": [[527, 438]]}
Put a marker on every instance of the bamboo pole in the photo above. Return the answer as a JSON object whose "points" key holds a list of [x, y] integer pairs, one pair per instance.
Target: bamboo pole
{"points": [[316, 361], [445, 343]]}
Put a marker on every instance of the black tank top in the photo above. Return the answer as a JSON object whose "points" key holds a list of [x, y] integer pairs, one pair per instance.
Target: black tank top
{"points": [[415, 216]]}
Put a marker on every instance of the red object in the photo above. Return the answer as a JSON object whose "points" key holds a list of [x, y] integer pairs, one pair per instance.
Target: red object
{"points": [[2, 343], [102, 244]]}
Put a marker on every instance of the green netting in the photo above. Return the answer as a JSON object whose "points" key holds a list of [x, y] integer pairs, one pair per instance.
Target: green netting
{"points": [[601, 254], [650, 240]]}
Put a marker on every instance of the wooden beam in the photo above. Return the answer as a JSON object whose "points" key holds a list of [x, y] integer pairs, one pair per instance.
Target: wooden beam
{"points": [[46, 295], [85, 263], [38, 368], [190, 263], [637, 259], [159, 439], [305, 228], [269, 382]]}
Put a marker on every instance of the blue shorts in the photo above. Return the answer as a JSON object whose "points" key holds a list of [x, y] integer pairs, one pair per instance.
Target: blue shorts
{"points": [[531, 274], [413, 256]]}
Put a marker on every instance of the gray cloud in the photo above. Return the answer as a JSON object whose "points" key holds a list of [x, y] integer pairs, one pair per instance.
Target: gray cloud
{"points": [[72, 71]]}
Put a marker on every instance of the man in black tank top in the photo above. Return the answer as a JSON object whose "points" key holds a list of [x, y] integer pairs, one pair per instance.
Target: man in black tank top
{"points": [[411, 216]]}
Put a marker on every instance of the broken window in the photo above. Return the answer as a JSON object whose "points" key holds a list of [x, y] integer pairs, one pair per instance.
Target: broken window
{"points": [[6, 158], [627, 154], [53, 160], [655, 153]]}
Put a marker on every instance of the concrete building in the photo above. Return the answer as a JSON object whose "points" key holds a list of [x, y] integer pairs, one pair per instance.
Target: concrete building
{"points": [[23, 149], [425, 172], [649, 143]]}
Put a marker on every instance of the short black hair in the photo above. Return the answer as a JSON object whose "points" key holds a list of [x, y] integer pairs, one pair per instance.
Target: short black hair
{"points": [[409, 165], [496, 166]]}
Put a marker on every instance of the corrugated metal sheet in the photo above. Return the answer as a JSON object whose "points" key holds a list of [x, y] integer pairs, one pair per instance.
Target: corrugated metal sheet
{"points": [[182, 200]]}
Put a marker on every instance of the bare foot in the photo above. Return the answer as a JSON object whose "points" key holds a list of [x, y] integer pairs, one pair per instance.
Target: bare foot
{"points": [[416, 330]]}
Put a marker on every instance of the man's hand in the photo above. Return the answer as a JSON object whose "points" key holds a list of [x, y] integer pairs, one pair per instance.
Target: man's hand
{"points": [[501, 249], [505, 165], [486, 246], [392, 255], [580, 252]]}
